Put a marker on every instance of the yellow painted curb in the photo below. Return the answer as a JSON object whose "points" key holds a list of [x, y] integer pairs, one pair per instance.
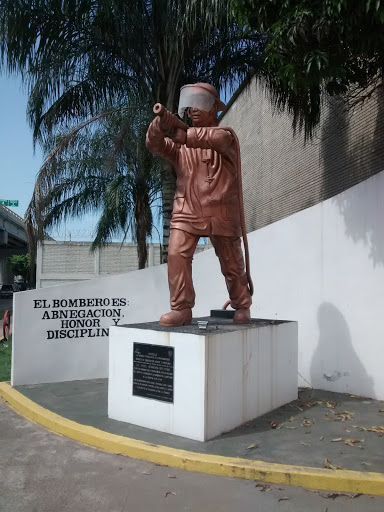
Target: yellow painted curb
{"points": [[314, 478]]}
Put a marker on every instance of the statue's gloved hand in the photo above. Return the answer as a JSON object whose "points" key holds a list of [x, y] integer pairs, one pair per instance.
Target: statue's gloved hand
{"points": [[165, 121], [179, 136]]}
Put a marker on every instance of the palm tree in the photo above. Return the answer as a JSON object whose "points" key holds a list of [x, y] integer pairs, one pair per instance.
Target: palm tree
{"points": [[78, 55], [106, 169]]}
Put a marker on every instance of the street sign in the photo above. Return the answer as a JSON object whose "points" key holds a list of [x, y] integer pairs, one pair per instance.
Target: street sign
{"points": [[9, 202]]}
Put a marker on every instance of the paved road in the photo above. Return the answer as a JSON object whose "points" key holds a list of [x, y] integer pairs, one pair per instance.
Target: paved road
{"points": [[43, 472]]}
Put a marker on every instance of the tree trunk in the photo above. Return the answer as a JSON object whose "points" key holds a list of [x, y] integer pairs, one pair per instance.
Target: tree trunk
{"points": [[166, 97], [168, 192], [141, 231]]}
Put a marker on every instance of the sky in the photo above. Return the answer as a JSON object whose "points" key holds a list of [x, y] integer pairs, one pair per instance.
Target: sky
{"points": [[19, 163]]}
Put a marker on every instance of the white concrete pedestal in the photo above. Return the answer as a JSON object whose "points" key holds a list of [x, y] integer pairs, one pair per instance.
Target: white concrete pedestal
{"points": [[223, 377]]}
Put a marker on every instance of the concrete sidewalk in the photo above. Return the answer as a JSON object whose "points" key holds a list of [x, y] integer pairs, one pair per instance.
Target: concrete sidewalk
{"points": [[320, 429], [43, 472]]}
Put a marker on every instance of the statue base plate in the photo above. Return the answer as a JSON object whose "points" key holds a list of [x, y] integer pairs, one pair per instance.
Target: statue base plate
{"points": [[199, 383]]}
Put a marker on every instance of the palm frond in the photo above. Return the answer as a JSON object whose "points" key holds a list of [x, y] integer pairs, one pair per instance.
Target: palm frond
{"points": [[79, 56]]}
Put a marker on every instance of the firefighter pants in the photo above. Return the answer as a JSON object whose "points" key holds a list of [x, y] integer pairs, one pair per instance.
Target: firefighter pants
{"points": [[181, 248]]}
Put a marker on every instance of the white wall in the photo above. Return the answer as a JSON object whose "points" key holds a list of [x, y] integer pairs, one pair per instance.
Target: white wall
{"points": [[323, 267]]}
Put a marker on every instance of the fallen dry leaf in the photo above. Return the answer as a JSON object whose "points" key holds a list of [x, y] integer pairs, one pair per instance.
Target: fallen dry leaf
{"points": [[290, 427], [251, 446], [145, 473], [168, 493], [329, 465], [344, 415], [263, 487], [274, 424], [378, 430], [306, 423], [328, 403], [283, 499], [304, 444], [300, 409], [333, 495], [292, 418], [352, 442], [171, 476], [366, 463], [321, 438]]}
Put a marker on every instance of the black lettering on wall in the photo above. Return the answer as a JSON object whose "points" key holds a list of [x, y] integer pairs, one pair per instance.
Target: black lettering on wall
{"points": [[81, 318]]}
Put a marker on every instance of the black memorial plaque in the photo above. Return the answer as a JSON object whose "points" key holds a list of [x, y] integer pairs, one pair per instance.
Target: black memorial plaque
{"points": [[153, 370]]}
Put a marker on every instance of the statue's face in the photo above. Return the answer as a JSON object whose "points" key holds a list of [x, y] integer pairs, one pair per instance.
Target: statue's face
{"points": [[202, 117]]}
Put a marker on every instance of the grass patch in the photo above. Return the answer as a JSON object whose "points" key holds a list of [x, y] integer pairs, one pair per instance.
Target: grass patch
{"points": [[5, 359], [5, 350]]}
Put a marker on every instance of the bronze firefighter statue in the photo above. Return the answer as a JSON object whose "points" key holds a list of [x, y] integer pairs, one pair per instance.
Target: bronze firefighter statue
{"points": [[208, 200]]}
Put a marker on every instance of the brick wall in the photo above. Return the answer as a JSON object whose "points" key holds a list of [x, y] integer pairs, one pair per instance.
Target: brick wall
{"points": [[69, 262], [282, 174]]}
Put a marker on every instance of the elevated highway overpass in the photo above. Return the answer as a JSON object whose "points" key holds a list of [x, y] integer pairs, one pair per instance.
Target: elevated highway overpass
{"points": [[13, 240]]}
